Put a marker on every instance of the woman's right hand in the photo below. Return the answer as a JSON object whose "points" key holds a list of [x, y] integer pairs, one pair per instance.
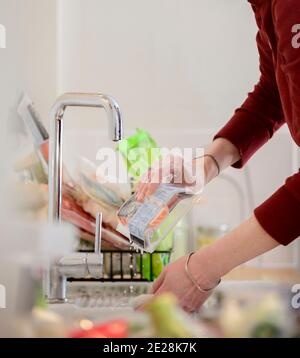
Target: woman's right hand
{"points": [[174, 170]]}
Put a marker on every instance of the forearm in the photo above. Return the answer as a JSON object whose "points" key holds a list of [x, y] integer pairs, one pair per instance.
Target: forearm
{"points": [[244, 243], [225, 154]]}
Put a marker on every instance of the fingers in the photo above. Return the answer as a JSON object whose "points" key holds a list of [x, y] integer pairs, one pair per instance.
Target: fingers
{"points": [[146, 190], [139, 302], [187, 309], [151, 188], [142, 186], [158, 282], [148, 184], [168, 170]]}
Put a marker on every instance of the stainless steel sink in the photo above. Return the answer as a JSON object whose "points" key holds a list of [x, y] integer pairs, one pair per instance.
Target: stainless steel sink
{"points": [[99, 300]]}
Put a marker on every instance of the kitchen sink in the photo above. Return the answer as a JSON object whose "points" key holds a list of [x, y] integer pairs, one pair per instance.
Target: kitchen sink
{"points": [[107, 300], [99, 300]]}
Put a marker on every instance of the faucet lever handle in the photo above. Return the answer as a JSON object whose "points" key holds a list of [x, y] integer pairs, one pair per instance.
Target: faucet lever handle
{"points": [[98, 234]]}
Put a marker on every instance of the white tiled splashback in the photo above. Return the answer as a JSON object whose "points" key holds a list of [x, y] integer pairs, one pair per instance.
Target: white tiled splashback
{"points": [[267, 171]]}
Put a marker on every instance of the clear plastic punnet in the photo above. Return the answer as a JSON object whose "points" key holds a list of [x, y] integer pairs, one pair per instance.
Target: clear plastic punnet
{"points": [[170, 187], [149, 222]]}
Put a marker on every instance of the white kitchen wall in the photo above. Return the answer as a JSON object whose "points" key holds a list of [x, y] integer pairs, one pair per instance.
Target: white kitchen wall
{"points": [[28, 63], [170, 63]]}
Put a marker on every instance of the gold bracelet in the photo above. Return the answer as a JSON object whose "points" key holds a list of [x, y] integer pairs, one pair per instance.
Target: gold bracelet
{"points": [[190, 276]]}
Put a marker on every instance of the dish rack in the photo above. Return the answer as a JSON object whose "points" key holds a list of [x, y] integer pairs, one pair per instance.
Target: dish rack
{"points": [[130, 266]]}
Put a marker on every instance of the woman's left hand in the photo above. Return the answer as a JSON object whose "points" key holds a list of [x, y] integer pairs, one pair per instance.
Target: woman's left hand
{"points": [[175, 279]]}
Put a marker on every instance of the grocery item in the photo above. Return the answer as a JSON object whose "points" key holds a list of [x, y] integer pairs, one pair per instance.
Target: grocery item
{"points": [[35, 127], [39, 135], [75, 197], [146, 224], [109, 213], [112, 329], [260, 313], [97, 188], [157, 317], [139, 151], [74, 214], [153, 264], [30, 169], [113, 238], [170, 321]]}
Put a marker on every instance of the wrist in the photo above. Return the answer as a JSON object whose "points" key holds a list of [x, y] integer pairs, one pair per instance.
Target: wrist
{"points": [[224, 151], [203, 269], [209, 168]]}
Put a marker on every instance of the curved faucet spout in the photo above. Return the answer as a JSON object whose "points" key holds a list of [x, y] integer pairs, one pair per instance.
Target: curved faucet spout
{"points": [[115, 125], [94, 100]]}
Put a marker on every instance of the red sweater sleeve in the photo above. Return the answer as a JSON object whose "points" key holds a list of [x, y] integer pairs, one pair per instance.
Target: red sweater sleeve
{"points": [[280, 214], [262, 114], [255, 122]]}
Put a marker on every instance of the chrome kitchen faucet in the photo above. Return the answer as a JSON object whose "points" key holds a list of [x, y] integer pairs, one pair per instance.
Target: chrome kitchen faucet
{"points": [[77, 265]]}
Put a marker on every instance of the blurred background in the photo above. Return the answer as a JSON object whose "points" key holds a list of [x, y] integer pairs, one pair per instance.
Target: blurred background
{"points": [[178, 68]]}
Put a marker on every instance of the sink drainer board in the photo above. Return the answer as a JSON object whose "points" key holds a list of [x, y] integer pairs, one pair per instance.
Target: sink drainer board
{"points": [[129, 266]]}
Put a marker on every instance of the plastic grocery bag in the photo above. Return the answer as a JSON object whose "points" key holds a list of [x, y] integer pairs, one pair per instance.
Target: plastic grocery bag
{"points": [[139, 151]]}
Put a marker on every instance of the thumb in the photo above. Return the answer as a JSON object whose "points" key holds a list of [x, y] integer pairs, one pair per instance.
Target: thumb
{"points": [[158, 282]]}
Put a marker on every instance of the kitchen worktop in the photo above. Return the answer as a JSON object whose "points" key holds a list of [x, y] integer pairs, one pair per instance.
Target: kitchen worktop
{"points": [[281, 275]]}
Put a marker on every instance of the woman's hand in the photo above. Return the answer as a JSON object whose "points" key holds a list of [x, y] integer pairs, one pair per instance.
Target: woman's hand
{"points": [[208, 265], [174, 279], [200, 171], [191, 175]]}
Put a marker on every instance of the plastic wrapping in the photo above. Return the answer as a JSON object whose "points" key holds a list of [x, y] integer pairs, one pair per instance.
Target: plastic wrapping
{"points": [[151, 221], [97, 188], [74, 214]]}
